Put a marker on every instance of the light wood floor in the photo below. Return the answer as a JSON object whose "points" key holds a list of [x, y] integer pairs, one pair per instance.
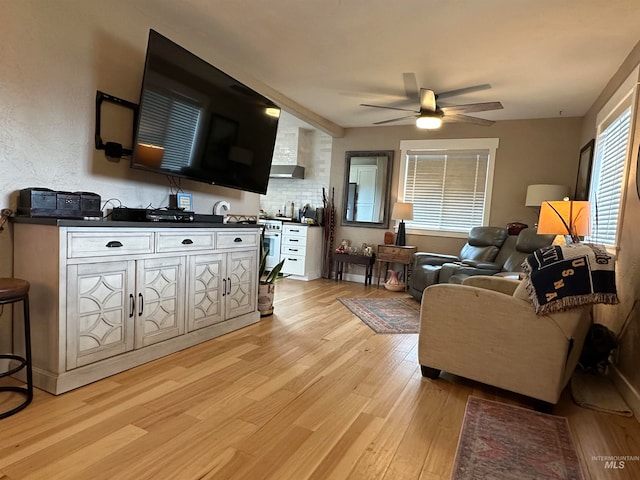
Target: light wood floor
{"points": [[308, 393]]}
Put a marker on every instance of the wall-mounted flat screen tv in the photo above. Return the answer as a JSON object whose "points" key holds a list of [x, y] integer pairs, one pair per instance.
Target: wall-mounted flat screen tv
{"points": [[199, 123]]}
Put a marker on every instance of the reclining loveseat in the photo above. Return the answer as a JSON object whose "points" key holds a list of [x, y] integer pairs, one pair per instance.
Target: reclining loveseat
{"points": [[507, 261], [483, 245]]}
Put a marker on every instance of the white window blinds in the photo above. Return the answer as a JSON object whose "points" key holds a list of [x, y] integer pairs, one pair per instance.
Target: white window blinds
{"points": [[607, 177], [448, 188]]}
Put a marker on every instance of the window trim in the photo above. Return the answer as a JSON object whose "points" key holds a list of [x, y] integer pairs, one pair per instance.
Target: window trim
{"points": [[489, 143]]}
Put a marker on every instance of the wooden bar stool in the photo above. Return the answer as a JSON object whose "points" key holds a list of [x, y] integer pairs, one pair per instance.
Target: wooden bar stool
{"points": [[15, 290]]}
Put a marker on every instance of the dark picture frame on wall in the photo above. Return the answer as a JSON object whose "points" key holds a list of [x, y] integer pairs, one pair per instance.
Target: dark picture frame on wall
{"points": [[584, 171]]}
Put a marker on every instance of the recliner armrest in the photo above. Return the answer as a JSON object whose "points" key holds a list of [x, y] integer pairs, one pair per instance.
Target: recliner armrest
{"points": [[427, 258], [482, 265], [493, 282], [460, 268]]}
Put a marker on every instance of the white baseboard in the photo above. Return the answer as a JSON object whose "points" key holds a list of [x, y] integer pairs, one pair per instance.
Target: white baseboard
{"points": [[352, 277], [628, 391]]}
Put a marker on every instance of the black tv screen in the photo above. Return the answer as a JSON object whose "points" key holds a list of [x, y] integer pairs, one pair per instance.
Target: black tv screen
{"points": [[199, 123]]}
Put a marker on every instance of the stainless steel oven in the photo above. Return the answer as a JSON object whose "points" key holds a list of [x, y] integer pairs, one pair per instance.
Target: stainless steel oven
{"points": [[272, 241]]}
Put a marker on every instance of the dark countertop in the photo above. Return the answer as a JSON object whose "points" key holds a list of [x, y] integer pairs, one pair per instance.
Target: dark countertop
{"points": [[70, 222], [288, 220], [302, 224]]}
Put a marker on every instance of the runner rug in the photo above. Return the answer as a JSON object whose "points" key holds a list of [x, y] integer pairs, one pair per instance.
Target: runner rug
{"points": [[386, 315], [508, 442], [597, 392]]}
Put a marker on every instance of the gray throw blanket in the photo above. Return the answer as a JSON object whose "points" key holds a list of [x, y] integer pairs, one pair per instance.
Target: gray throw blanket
{"points": [[562, 277]]}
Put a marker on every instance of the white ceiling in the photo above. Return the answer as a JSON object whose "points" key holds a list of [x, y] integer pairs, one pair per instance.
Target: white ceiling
{"points": [[543, 58]]}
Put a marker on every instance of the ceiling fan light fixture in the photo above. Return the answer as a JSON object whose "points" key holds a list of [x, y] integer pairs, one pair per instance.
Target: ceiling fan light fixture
{"points": [[429, 121]]}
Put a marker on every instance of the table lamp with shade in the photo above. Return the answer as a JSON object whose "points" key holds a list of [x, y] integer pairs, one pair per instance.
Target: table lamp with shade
{"points": [[402, 211], [566, 217], [544, 192]]}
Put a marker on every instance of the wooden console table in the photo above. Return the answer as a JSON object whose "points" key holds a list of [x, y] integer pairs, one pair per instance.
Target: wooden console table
{"points": [[342, 258], [394, 254]]}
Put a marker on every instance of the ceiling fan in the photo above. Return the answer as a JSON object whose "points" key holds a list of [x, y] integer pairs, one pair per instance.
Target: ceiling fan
{"points": [[430, 113]]}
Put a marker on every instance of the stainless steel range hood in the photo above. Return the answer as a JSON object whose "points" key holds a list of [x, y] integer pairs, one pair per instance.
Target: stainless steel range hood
{"points": [[286, 171]]}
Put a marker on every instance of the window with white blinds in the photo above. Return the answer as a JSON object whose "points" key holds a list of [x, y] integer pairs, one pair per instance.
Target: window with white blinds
{"points": [[612, 150], [609, 170], [172, 123], [449, 184]]}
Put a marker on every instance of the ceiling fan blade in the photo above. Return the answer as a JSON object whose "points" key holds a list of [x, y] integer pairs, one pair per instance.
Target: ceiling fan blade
{"points": [[410, 86], [393, 120], [389, 108], [427, 100], [456, 117], [473, 107], [461, 91]]}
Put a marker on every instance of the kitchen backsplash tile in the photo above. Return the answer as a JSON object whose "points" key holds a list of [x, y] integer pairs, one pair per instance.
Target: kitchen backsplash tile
{"points": [[283, 191]]}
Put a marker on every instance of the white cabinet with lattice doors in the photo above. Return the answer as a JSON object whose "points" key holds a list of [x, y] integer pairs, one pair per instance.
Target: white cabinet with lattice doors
{"points": [[220, 286], [159, 300], [100, 302], [113, 307], [119, 297]]}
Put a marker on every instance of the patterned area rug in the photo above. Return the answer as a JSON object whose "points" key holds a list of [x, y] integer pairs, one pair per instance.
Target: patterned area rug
{"points": [[508, 442], [386, 315]]}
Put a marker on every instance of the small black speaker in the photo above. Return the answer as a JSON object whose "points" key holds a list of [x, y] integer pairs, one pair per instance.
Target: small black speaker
{"points": [[113, 150]]}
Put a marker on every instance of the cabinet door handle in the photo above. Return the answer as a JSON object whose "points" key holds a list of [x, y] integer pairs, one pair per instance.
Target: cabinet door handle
{"points": [[237, 239], [229, 285], [187, 241], [294, 230], [293, 239], [113, 244], [224, 287], [292, 259], [140, 304], [293, 249], [131, 305]]}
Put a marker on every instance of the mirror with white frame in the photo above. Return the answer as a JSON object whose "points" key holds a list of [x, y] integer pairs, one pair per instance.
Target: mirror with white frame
{"points": [[367, 188]]}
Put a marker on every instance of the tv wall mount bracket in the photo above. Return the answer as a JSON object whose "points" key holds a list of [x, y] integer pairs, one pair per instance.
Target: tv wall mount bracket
{"points": [[113, 149]]}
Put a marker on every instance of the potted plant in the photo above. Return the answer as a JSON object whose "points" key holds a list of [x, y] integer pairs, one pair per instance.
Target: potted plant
{"points": [[266, 282]]}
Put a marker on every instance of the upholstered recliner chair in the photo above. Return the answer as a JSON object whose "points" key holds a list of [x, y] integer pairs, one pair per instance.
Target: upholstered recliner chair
{"points": [[487, 330], [482, 244], [508, 261]]}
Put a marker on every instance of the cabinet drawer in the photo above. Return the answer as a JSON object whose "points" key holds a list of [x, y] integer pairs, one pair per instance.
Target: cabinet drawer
{"points": [[294, 230], [293, 264], [293, 250], [92, 244], [236, 239], [288, 241], [186, 240], [389, 253]]}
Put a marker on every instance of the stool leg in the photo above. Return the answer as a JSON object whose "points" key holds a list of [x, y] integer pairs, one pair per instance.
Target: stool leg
{"points": [[27, 347], [28, 390]]}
